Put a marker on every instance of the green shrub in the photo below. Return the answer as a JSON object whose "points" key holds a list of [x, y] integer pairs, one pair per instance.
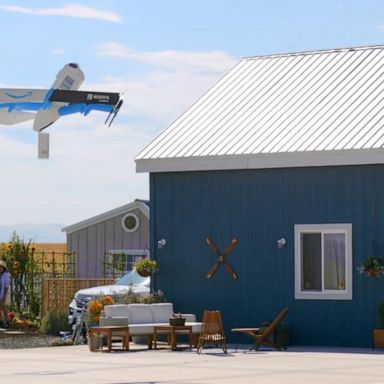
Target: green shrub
{"points": [[54, 322], [131, 298], [135, 298], [153, 298], [60, 342]]}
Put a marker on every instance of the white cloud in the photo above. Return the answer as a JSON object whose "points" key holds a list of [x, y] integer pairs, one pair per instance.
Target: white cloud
{"points": [[215, 61], [90, 170], [91, 167], [175, 80], [57, 51], [70, 10]]}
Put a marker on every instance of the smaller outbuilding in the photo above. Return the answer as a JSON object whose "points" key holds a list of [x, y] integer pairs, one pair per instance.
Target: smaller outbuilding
{"points": [[119, 236]]}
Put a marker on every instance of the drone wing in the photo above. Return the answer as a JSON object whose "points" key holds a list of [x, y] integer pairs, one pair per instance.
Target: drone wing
{"points": [[86, 101], [10, 118], [18, 105]]}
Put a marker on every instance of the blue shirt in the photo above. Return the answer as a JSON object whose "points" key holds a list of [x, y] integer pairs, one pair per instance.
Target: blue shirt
{"points": [[4, 283]]}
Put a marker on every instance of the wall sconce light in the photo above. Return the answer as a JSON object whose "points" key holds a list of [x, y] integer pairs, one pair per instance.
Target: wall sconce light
{"points": [[281, 242], [161, 243]]}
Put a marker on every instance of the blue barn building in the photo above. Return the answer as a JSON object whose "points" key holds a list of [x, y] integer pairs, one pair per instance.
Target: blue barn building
{"points": [[285, 154]]}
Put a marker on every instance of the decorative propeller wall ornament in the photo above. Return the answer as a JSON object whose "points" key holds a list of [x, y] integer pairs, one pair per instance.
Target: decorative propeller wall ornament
{"points": [[221, 257]]}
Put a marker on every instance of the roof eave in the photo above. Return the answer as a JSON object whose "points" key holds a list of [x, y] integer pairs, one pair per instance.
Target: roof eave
{"points": [[137, 204], [263, 160]]}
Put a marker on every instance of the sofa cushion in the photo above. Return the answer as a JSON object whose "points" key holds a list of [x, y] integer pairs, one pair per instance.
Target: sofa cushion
{"points": [[116, 310], [119, 321], [141, 329], [196, 327], [189, 317], [147, 329], [140, 314], [161, 312]]}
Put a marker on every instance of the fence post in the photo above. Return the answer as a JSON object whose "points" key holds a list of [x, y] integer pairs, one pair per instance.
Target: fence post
{"points": [[44, 297]]}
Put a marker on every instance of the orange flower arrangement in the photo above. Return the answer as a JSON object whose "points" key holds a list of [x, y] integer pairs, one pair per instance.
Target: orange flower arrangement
{"points": [[107, 300], [96, 306]]}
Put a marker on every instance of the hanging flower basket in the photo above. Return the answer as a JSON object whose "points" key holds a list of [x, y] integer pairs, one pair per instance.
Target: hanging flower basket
{"points": [[146, 267], [373, 266], [143, 272]]}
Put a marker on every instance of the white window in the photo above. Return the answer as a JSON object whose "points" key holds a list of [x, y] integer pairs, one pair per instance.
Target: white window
{"points": [[130, 222], [323, 261], [118, 262]]}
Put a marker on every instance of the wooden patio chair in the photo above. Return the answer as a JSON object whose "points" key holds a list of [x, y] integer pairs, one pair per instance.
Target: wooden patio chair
{"points": [[264, 338], [212, 331]]}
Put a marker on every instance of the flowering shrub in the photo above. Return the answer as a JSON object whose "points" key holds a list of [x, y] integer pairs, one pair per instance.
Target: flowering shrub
{"points": [[373, 266], [11, 316], [95, 307], [94, 311], [23, 271]]}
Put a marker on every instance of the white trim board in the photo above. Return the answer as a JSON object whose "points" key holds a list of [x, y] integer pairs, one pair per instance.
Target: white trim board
{"points": [[263, 161], [137, 204]]}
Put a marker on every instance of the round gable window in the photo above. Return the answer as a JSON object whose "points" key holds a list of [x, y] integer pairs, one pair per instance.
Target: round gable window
{"points": [[130, 222]]}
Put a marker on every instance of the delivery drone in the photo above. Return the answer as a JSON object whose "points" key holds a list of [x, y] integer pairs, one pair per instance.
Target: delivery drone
{"points": [[45, 106]]}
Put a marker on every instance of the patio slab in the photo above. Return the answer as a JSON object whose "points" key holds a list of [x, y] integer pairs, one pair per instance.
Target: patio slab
{"points": [[297, 365]]}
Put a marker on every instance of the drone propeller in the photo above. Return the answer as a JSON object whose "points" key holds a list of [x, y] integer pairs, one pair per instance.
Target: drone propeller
{"points": [[221, 258], [212, 271], [114, 113]]}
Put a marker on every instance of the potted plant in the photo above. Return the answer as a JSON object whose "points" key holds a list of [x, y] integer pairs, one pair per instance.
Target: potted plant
{"points": [[94, 312], [146, 267], [378, 333], [95, 308], [373, 266], [177, 319]]}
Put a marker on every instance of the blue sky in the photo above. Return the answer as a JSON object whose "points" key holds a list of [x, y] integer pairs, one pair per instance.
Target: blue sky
{"points": [[163, 55]]}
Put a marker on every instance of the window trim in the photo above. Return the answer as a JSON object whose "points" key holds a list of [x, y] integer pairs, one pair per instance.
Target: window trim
{"points": [[330, 294], [126, 229], [137, 254]]}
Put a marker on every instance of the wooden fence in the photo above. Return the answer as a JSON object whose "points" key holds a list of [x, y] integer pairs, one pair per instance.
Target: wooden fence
{"points": [[58, 293]]}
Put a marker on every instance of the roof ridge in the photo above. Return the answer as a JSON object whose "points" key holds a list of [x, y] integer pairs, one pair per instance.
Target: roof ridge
{"points": [[314, 52]]}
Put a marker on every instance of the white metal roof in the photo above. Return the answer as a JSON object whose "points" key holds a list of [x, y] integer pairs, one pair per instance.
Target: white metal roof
{"points": [[137, 204], [297, 109]]}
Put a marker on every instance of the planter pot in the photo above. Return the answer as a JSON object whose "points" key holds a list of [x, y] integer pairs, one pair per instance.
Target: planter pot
{"points": [[20, 324], [144, 273], [378, 338], [97, 342], [177, 321]]}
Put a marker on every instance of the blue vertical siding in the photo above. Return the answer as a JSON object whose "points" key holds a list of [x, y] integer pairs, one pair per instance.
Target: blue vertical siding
{"points": [[258, 207]]}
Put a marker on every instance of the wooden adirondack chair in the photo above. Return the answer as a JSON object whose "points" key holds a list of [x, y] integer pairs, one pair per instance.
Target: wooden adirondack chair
{"points": [[212, 331], [264, 337]]}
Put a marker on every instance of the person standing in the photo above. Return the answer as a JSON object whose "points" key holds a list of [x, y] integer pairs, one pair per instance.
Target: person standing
{"points": [[4, 287]]}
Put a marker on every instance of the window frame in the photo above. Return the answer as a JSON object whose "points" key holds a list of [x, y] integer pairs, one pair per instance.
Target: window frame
{"points": [[126, 229], [131, 256], [346, 294]]}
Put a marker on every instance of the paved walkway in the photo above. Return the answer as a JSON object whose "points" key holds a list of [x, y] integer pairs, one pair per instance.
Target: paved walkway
{"points": [[298, 365]]}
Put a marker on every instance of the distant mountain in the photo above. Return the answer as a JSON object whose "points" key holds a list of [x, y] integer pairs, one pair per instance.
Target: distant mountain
{"points": [[38, 233]]}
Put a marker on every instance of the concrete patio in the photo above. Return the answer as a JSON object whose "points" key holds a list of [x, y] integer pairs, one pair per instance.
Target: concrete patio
{"points": [[139, 366]]}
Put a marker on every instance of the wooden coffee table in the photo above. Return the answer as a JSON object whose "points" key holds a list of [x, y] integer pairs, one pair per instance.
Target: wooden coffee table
{"points": [[173, 331], [110, 330]]}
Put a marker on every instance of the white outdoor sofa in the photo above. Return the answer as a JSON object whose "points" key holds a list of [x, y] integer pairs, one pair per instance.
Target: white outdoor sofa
{"points": [[141, 318]]}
